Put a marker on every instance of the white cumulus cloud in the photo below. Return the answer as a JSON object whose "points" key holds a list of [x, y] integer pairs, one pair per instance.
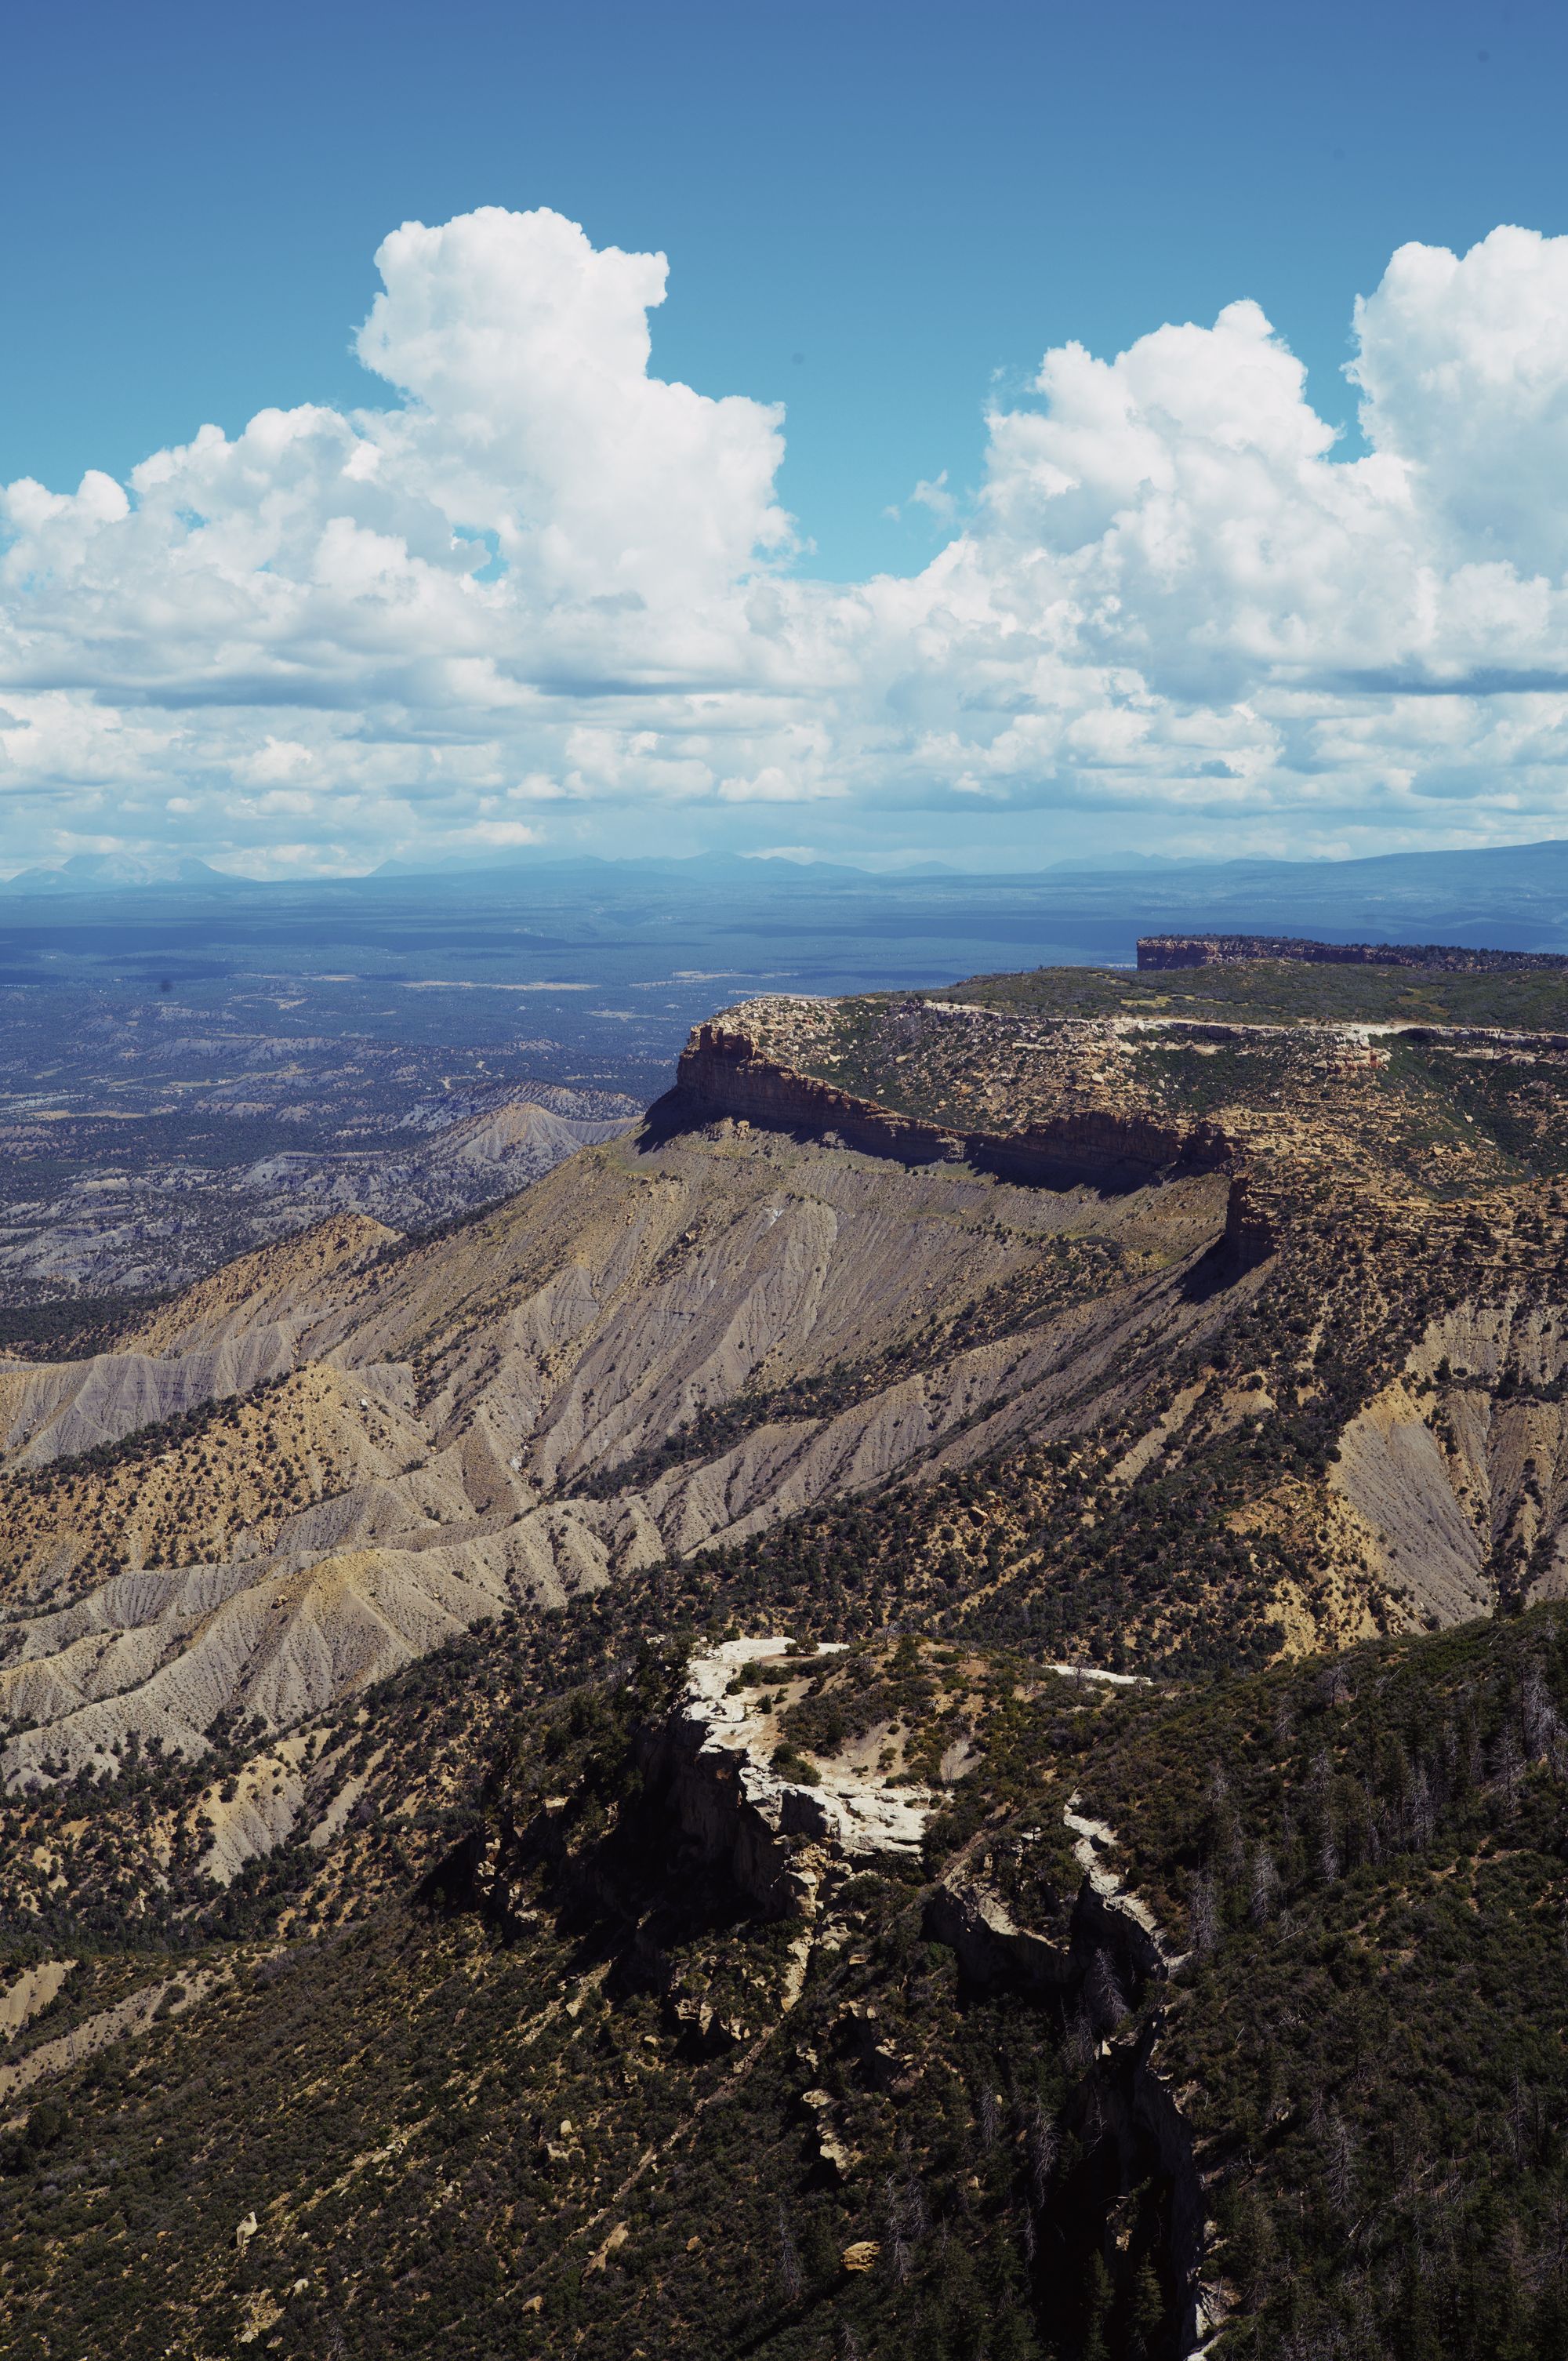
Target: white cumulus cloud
{"points": [[541, 575]]}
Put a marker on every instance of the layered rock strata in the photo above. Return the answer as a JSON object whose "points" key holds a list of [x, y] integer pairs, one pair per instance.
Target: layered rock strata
{"points": [[723, 1071]]}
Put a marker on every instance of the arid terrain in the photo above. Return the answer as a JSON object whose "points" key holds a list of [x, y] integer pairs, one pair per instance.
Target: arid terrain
{"points": [[142, 1144], [787, 1676]]}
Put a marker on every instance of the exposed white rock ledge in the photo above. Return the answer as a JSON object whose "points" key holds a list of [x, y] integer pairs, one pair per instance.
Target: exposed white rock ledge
{"points": [[734, 1798], [1092, 1673], [1093, 1839]]}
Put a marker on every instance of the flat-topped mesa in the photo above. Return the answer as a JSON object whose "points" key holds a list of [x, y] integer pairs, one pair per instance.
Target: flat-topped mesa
{"points": [[1155, 952], [724, 1072]]}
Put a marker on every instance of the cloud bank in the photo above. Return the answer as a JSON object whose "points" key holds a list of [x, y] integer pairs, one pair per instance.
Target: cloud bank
{"points": [[543, 595]]}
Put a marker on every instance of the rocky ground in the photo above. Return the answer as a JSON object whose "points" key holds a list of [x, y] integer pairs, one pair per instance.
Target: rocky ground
{"points": [[147, 1224]]}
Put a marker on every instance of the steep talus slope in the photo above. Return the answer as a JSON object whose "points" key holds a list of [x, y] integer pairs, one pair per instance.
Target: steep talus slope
{"points": [[224, 1480], [295, 1282], [55, 1413], [614, 1305], [1460, 1468], [222, 1336], [272, 1642]]}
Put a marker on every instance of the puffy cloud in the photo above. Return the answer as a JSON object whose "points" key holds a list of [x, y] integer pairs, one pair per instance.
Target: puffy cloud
{"points": [[1179, 511], [1463, 364], [532, 414], [538, 508], [542, 579]]}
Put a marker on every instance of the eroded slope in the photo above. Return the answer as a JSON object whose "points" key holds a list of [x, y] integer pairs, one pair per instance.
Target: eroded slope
{"points": [[1125, 1334], [460, 1393]]}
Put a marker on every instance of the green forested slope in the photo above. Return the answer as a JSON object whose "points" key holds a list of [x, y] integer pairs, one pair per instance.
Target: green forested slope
{"points": [[479, 2119]]}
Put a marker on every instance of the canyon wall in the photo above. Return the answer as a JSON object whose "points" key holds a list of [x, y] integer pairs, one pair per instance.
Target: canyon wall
{"points": [[722, 1072]]}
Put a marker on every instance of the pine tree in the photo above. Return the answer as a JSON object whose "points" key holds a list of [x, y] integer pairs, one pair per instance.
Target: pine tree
{"points": [[1096, 2346], [1147, 2315], [792, 2279]]}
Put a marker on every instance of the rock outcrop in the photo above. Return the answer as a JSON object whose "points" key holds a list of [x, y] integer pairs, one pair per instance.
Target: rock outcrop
{"points": [[1138, 2146], [785, 1838], [993, 1952], [724, 1072], [1128, 2118]]}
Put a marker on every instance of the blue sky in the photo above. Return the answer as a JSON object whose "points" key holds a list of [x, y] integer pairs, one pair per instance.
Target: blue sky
{"points": [[879, 217], [917, 199]]}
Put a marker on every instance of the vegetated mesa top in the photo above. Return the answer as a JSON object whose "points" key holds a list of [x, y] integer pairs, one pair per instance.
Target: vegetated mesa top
{"points": [[1224, 950]]}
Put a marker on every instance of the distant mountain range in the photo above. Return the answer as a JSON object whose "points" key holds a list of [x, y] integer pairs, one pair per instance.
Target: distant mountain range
{"points": [[111, 872], [1513, 895]]}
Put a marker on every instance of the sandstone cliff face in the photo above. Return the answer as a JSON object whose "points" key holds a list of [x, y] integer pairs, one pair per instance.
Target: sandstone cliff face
{"points": [[723, 1071]]}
